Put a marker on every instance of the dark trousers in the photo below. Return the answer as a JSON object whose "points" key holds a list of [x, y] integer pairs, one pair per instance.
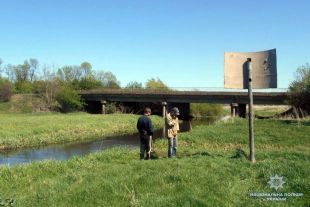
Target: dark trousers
{"points": [[145, 147]]}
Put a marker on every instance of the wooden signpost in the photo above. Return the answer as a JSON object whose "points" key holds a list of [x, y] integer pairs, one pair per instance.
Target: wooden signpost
{"points": [[248, 71], [251, 120]]}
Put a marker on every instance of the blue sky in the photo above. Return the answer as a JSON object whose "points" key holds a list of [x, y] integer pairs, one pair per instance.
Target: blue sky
{"points": [[180, 41]]}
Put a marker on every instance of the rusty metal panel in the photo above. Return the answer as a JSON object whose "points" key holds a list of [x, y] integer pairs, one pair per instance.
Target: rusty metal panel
{"points": [[264, 69]]}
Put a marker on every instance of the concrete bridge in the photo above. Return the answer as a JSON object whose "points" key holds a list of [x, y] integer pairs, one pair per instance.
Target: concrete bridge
{"points": [[97, 99]]}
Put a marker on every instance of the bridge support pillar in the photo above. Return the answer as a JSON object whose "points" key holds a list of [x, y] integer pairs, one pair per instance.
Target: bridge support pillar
{"points": [[242, 110], [103, 107], [233, 109], [186, 111]]}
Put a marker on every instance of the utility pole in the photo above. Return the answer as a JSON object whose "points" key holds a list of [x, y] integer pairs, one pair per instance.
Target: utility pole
{"points": [[251, 121]]}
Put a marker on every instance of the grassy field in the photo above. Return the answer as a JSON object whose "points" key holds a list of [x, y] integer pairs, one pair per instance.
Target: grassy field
{"points": [[211, 170], [25, 130]]}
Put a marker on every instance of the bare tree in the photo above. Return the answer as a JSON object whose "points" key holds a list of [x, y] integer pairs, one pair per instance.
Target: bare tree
{"points": [[51, 85], [22, 72], [86, 69], [10, 72], [108, 79], [34, 64], [70, 73]]}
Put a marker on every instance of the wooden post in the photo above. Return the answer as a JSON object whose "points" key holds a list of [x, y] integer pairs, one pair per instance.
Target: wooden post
{"points": [[164, 104], [251, 121], [103, 104]]}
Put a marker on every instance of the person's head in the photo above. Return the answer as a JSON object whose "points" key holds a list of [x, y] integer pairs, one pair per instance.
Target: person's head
{"points": [[147, 111], [174, 112]]}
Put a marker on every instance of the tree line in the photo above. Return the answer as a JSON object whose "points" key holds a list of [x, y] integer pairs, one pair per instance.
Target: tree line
{"points": [[299, 90], [58, 86]]}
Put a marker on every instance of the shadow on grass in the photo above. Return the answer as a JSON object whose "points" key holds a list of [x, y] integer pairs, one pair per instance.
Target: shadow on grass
{"points": [[239, 153], [199, 153], [204, 153], [302, 122], [154, 156]]}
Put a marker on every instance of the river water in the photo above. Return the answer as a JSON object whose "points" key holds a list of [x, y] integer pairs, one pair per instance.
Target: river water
{"points": [[66, 151]]}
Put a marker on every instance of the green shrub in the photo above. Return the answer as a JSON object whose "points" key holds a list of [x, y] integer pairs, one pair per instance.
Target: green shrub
{"points": [[134, 85], [112, 108], [88, 83], [39, 87], [69, 100], [200, 110], [24, 87], [156, 84]]}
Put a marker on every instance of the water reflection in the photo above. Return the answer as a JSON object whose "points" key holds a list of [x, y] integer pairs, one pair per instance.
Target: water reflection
{"points": [[66, 151]]}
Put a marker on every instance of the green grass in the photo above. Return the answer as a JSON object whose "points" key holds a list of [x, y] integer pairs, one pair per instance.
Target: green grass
{"points": [[20, 103], [211, 170], [25, 130], [270, 110]]}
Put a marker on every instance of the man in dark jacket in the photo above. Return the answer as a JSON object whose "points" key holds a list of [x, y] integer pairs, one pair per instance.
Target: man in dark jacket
{"points": [[144, 125]]}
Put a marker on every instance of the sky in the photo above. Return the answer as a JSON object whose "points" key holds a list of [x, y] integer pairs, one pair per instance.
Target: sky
{"points": [[180, 41]]}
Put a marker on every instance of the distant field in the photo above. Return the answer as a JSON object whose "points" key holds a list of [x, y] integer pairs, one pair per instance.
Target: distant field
{"points": [[263, 110], [18, 104], [211, 170], [25, 130]]}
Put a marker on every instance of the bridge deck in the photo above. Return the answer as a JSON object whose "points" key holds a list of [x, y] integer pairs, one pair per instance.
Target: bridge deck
{"points": [[224, 97]]}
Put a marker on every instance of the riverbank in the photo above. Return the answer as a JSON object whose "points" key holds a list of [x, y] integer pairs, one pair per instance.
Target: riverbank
{"points": [[29, 130], [211, 170]]}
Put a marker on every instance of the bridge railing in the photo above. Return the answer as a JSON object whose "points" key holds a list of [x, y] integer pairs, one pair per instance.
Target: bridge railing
{"points": [[185, 89], [220, 89]]}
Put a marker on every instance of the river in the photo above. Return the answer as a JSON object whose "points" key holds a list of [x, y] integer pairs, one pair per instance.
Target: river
{"points": [[66, 151]]}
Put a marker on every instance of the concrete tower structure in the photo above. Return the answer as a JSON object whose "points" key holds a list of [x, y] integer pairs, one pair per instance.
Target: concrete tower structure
{"points": [[264, 72]]}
